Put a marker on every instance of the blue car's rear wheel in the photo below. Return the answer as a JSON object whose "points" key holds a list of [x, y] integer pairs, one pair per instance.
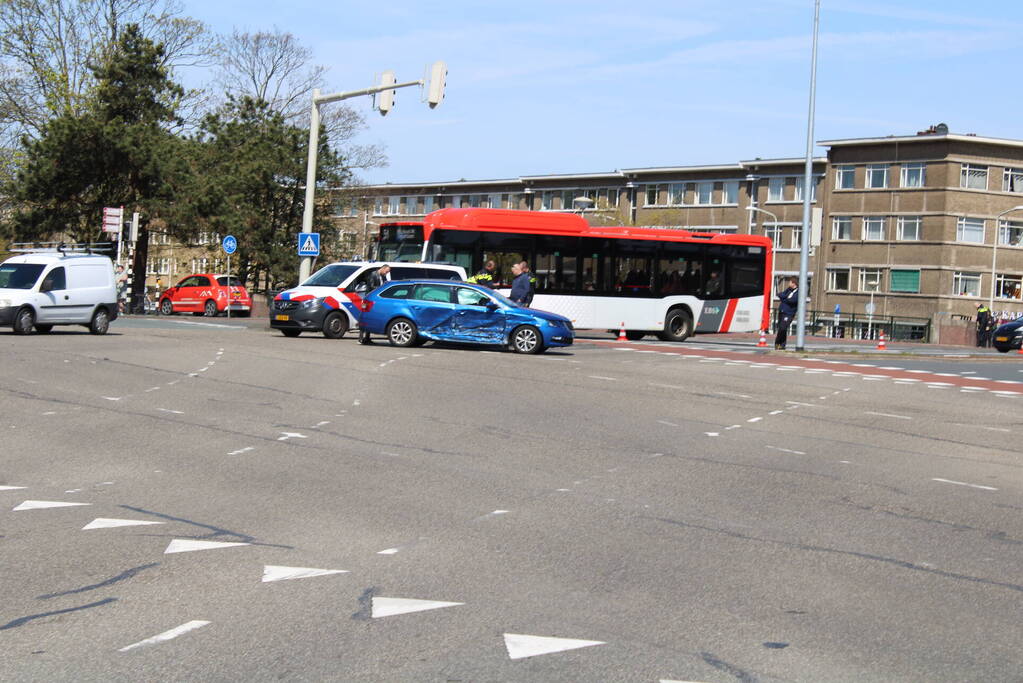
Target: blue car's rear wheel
{"points": [[526, 339], [402, 332]]}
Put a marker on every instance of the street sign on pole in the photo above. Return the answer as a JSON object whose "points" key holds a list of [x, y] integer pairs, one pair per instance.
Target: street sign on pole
{"points": [[112, 218], [230, 244], [309, 244]]}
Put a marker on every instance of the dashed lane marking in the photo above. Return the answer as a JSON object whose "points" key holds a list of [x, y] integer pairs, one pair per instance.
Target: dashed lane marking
{"points": [[785, 450], [963, 483], [12, 488], [279, 573], [897, 417], [665, 422], [167, 635], [291, 435], [242, 450], [608, 379]]}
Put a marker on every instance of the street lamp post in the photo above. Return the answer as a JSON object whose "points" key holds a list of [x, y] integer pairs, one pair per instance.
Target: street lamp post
{"points": [[994, 254], [754, 209], [438, 76], [804, 247]]}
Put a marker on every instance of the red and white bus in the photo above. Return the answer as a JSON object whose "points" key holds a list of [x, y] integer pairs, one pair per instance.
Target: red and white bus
{"points": [[660, 281]]}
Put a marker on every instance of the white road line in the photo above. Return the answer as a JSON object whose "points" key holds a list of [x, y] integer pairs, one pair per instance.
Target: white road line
{"points": [[889, 367], [731, 427], [608, 379], [242, 450], [755, 419], [291, 435], [389, 551], [939, 384], [182, 322], [111, 398], [776, 412], [1006, 393], [667, 386], [799, 403], [171, 634], [963, 483], [918, 372], [168, 410], [665, 422], [907, 380], [897, 417], [785, 450], [712, 433], [728, 393]]}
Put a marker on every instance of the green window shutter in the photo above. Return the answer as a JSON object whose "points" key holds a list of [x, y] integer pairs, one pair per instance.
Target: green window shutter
{"points": [[906, 281]]}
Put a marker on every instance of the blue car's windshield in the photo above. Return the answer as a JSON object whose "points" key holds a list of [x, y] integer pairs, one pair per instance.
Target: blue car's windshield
{"points": [[504, 300], [331, 276]]}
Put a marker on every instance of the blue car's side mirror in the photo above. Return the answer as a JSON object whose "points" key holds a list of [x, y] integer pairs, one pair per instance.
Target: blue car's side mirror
{"points": [[491, 306]]}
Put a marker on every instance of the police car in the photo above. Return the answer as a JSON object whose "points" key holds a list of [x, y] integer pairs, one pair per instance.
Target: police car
{"points": [[330, 300]]}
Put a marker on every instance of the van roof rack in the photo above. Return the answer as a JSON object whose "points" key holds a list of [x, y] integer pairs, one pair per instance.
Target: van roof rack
{"points": [[61, 248]]}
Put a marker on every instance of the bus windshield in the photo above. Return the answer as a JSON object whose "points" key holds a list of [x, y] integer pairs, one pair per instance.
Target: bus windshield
{"points": [[330, 276], [400, 243]]}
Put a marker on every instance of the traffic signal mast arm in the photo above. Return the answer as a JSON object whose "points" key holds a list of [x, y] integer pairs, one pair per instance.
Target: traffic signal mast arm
{"points": [[337, 97]]}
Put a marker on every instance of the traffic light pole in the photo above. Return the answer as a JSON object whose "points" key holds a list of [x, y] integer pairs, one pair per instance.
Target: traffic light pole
{"points": [[306, 265]]}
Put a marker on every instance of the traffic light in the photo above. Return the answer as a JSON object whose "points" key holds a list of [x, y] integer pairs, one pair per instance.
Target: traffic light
{"points": [[385, 99], [438, 75]]}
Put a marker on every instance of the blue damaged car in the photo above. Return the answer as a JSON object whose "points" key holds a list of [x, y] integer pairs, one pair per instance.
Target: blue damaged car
{"points": [[412, 312]]}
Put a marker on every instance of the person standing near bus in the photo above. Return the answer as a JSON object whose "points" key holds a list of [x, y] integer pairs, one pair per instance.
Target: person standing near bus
{"points": [[487, 277], [532, 281], [520, 285], [787, 307]]}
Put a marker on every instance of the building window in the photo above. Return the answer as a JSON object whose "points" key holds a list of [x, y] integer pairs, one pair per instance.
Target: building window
{"points": [[676, 194], [908, 228], [797, 236], [378, 207], [905, 281], [1010, 233], [970, 230], [873, 228], [845, 177], [1012, 180], [607, 198], [798, 183], [393, 206], [547, 200], [966, 284], [841, 228], [773, 232], [731, 192], [870, 280], [912, 175], [704, 193], [653, 194], [412, 206], [1009, 287], [495, 201], [877, 176], [428, 204], [973, 177], [776, 189], [838, 279]]}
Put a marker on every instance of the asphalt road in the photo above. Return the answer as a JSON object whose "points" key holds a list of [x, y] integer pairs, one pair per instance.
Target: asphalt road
{"points": [[610, 512]]}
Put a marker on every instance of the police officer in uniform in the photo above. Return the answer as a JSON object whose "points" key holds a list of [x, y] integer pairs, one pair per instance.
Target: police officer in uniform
{"points": [[486, 277], [984, 325]]}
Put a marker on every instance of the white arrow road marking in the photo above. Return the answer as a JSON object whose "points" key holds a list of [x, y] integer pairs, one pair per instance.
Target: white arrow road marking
{"points": [[167, 635], [278, 573], [387, 607], [14, 488], [521, 645], [40, 504], [108, 523], [291, 435], [179, 545]]}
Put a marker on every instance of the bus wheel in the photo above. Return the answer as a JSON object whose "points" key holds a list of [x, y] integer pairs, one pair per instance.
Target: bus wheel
{"points": [[634, 335], [677, 327]]}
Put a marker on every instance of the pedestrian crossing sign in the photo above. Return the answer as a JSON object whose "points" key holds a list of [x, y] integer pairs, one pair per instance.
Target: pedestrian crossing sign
{"points": [[308, 244]]}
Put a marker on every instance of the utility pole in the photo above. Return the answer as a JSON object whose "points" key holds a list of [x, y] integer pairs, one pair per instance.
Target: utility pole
{"points": [[435, 93], [804, 246]]}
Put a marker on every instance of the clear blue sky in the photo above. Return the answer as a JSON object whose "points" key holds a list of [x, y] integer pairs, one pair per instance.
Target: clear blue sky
{"points": [[568, 86]]}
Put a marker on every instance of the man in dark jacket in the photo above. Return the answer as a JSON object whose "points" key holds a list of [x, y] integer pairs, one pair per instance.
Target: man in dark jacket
{"points": [[375, 279], [520, 285], [788, 305], [532, 282]]}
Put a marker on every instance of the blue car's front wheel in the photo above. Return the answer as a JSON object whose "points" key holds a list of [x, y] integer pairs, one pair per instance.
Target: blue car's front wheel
{"points": [[402, 332], [526, 339]]}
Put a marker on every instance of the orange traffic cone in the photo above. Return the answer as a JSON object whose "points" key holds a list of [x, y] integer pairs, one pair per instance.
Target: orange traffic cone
{"points": [[621, 332], [880, 342], [1020, 352], [763, 339]]}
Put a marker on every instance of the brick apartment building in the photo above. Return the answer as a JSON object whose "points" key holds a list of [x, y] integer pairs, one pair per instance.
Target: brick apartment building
{"points": [[911, 218]]}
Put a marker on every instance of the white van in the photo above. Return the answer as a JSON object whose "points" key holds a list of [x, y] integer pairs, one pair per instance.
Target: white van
{"points": [[40, 290], [328, 301]]}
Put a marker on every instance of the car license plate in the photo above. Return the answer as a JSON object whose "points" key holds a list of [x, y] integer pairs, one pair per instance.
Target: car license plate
{"points": [[281, 317], [1001, 339]]}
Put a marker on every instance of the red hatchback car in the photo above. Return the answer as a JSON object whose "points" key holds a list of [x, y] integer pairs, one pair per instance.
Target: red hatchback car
{"points": [[206, 294]]}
